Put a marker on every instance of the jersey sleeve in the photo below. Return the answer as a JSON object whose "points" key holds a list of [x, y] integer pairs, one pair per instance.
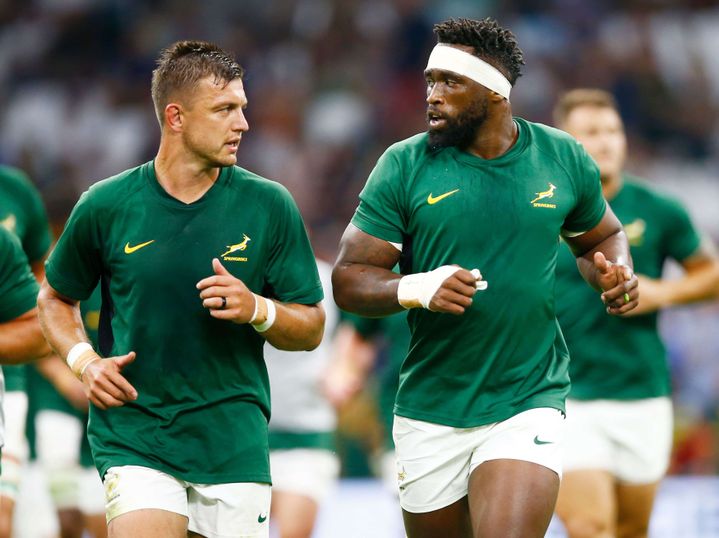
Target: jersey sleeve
{"points": [[380, 211], [292, 271], [18, 287], [74, 265], [590, 204], [681, 238], [37, 240]]}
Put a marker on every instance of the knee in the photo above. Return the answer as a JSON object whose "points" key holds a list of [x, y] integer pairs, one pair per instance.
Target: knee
{"points": [[588, 526]]}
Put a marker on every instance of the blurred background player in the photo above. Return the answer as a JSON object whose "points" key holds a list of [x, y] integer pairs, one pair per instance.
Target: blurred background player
{"points": [[56, 425], [619, 412], [22, 213], [303, 460]]}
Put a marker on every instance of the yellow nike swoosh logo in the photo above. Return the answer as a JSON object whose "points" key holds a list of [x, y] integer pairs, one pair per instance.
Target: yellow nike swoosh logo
{"points": [[431, 200], [130, 250]]}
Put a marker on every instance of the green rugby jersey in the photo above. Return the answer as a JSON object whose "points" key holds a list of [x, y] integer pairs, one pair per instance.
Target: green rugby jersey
{"points": [[506, 354], [23, 213], [203, 404], [18, 289], [614, 357]]}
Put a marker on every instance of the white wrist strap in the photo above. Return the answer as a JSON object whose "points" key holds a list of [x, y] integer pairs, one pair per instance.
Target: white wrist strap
{"points": [[417, 290], [271, 316], [75, 352]]}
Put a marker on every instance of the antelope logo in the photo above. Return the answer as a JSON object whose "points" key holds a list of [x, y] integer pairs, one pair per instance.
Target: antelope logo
{"points": [[635, 232], [9, 223], [234, 248], [549, 193]]}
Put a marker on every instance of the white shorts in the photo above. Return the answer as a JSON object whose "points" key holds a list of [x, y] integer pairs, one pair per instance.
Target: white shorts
{"points": [[630, 439], [15, 451], [434, 461], [58, 439], [306, 471], [214, 510]]}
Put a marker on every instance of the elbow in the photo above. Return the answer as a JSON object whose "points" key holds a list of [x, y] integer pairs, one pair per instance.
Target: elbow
{"points": [[339, 287]]}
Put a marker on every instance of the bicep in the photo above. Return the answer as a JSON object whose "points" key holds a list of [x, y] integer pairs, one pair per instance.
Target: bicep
{"points": [[583, 243], [358, 247]]}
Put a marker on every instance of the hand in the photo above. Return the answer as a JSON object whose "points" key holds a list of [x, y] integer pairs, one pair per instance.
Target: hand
{"points": [[653, 296], [455, 294], [104, 384], [239, 302], [620, 285]]}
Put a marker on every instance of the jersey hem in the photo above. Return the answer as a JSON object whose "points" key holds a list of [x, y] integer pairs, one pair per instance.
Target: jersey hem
{"points": [[550, 401], [260, 478]]}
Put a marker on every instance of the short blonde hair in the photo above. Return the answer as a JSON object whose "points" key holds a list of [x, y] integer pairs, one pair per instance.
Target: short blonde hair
{"points": [[592, 97]]}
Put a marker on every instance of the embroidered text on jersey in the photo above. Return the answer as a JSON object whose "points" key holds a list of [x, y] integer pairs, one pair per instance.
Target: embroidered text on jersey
{"points": [[130, 250], [549, 193], [431, 200], [237, 247]]}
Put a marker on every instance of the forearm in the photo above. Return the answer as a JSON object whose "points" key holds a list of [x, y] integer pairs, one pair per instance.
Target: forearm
{"points": [[60, 320], [700, 285], [21, 340], [366, 290], [615, 249], [297, 327]]}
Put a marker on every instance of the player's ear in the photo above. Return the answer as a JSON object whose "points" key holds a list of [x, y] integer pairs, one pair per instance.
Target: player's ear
{"points": [[173, 117], [495, 98]]}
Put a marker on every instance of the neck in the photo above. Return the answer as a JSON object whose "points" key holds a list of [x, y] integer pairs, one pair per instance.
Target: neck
{"points": [[611, 185], [181, 174], [495, 137]]}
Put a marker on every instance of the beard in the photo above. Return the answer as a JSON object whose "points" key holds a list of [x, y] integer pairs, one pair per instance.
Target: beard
{"points": [[461, 131]]}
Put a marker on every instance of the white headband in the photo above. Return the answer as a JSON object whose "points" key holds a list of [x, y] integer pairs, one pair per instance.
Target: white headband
{"points": [[453, 59]]}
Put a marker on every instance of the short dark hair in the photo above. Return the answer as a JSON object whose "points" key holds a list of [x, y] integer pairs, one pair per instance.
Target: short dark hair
{"points": [[183, 63], [591, 97], [490, 42]]}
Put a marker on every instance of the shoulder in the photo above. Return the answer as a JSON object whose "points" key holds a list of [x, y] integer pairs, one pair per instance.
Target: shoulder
{"points": [[15, 181], [252, 186], [112, 191], [553, 142], [648, 196]]}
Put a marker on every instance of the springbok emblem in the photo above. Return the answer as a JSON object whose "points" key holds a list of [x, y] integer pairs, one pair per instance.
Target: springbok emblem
{"points": [[238, 246], [549, 193], [9, 223]]}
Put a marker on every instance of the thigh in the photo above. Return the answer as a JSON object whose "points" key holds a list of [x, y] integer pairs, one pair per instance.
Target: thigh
{"points": [[512, 499], [155, 495], [587, 503], [452, 521], [238, 509], [293, 513], [634, 509], [148, 523]]}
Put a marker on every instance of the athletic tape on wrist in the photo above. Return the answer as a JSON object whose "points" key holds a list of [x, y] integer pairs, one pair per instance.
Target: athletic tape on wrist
{"points": [[417, 290], [75, 352], [80, 357], [271, 316]]}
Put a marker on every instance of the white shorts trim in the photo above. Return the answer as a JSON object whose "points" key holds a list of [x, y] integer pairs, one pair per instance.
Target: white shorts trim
{"points": [[306, 471], [630, 439], [213, 510], [434, 461]]}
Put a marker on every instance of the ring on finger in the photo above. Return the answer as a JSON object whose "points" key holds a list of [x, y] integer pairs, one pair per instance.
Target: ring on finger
{"points": [[627, 298], [224, 303]]}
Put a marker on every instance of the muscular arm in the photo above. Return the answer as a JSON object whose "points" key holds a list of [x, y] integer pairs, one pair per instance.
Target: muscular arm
{"points": [[62, 324], [364, 284], [21, 339], [604, 261], [297, 327], [362, 279], [700, 282]]}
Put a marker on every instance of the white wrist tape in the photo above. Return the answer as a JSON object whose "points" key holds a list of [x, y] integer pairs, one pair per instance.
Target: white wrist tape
{"points": [[271, 316], [75, 352], [417, 290]]}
